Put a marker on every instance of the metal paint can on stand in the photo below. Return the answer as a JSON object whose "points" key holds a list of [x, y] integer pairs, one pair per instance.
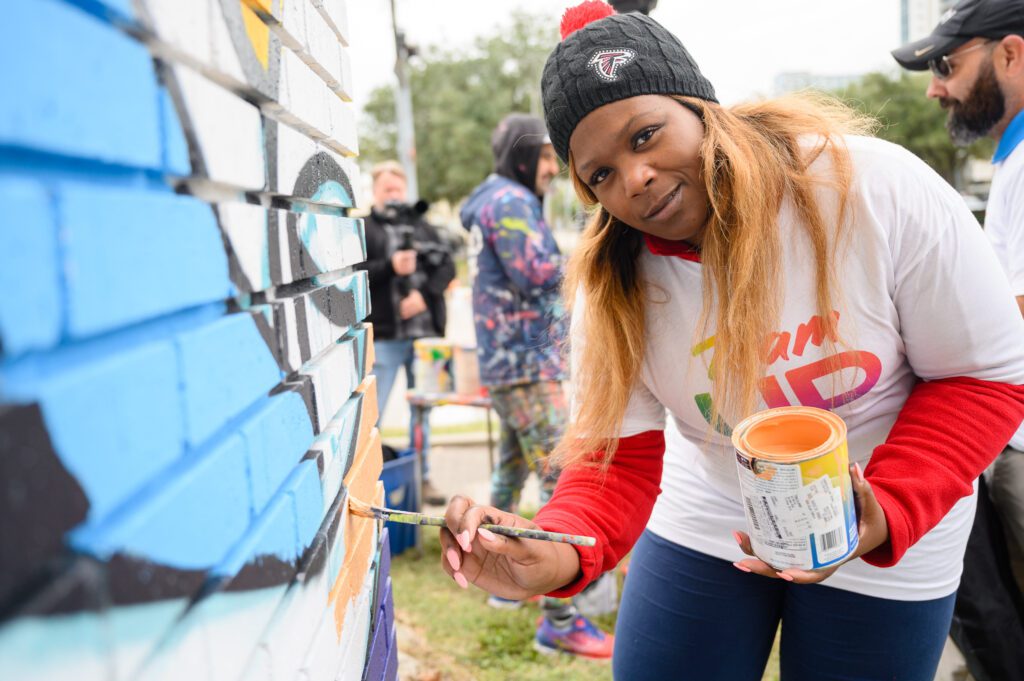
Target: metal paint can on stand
{"points": [[794, 474], [433, 365]]}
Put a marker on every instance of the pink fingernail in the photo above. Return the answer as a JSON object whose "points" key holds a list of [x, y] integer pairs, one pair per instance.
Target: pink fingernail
{"points": [[460, 579], [486, 534], [738, 537], [783, 575], [453, 559], [741, 568], [464, 542], [860, 473]]}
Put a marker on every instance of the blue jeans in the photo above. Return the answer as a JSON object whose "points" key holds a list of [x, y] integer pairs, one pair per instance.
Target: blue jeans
{"points": [[392, 355], [687, 615]]}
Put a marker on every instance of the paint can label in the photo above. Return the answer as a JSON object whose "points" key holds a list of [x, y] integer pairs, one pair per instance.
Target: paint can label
{"points": [[796, 487], [433, 365]]}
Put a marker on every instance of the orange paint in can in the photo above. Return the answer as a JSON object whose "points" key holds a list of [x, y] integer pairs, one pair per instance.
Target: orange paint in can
{"points": [[793, 468]]}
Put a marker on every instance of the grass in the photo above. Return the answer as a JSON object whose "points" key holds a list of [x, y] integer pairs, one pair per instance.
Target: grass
{"points": [[446, 628]]}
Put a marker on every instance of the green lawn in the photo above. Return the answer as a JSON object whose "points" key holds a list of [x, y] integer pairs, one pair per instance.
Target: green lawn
{"points": [[454, 632]]}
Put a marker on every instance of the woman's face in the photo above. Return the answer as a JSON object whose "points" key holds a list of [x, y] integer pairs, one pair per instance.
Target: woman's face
{"points": [[641, 159]]}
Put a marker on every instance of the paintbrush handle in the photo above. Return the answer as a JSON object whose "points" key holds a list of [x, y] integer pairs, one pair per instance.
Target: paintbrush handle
{"points": [[411, 518], [544, 535]]}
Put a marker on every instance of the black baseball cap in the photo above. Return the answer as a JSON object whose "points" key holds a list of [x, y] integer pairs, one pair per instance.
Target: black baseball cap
{"points": [[967, 19]]}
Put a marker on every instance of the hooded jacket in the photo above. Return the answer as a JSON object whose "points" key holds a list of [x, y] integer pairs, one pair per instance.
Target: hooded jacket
{"points": [[516, 268]]}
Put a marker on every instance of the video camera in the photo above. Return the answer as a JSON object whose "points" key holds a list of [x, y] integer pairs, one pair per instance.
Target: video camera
{"points": [[404, 216]]}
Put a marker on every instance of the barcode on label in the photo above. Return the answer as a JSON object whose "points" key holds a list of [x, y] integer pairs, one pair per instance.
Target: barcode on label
{"points": [[827, 541], [753, 515]]}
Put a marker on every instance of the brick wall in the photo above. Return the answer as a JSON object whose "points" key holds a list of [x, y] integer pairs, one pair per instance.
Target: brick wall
{"points": [[185, 396]]}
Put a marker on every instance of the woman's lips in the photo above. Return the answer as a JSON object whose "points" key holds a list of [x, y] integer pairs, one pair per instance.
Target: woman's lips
{"points": [[664, 203]]}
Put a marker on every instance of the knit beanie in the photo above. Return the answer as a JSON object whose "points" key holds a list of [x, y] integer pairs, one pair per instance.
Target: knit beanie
{"points": [[605, 57]]}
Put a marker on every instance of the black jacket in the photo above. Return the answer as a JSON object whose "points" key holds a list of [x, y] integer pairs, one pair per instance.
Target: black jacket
{"points": [[434, 263]]}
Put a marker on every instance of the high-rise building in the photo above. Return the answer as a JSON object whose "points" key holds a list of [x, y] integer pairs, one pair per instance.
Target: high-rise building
{"points": [[918, 17]]}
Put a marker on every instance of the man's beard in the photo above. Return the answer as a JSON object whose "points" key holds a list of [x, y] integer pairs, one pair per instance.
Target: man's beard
{"points": [[983, 107]]}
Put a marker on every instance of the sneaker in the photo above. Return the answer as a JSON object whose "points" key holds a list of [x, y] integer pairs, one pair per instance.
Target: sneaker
{"points": [[503, 603], [432, 495], [581, 638]]}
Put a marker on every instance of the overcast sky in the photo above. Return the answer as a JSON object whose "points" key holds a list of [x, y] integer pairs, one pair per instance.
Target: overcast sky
{"points": [[740, 45]]}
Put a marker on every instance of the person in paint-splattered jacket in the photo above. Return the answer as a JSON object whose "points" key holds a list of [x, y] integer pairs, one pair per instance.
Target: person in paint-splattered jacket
{"points": [[516, 268]]}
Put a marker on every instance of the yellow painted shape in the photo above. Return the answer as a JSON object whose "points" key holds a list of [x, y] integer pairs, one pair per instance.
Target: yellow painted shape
{"points": [[258, 32]]}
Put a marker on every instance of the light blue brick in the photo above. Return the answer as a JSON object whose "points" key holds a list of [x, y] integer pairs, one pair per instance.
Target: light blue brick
{"points": [[276, 437], [30, 307], [188, 518], [114, 418], [271, 534], [225, 367], [75, 85], [108, 10], [132, 254], [304, 488], [175, 148]]}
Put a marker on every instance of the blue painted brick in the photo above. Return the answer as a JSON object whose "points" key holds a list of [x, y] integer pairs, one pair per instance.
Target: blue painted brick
{"points": [[115, 419], [225, 367], [76, 86], [271, 534], [108, 10], [276, 436], [304, 489], [189, 518], [30, 308], [131, 255], [175, 149]]}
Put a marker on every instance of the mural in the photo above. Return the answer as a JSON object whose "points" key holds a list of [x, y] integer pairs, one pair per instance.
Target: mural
{"points": [[185, 396]]}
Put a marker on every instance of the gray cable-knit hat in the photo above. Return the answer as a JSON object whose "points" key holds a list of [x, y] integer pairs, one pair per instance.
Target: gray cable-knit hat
{"points": [[613, 58]]}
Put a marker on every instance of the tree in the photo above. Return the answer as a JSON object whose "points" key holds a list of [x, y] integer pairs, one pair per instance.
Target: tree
{"points": [[458, 98], [910, 119]]}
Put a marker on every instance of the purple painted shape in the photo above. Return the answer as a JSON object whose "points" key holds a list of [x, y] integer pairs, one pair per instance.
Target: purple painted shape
{"points": [[387, 607], [391, 670], [377, 655], [383, 572]]}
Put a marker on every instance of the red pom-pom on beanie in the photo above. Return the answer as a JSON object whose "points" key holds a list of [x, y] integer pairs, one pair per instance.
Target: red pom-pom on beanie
{"points": [[582, 14]]}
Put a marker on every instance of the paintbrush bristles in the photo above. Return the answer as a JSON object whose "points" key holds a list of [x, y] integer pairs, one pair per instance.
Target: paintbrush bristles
{"points": [[360, 508]]}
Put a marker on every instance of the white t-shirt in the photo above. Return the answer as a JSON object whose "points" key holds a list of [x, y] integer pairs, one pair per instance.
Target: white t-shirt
{"points": [[920, 295], [1004, 225]]}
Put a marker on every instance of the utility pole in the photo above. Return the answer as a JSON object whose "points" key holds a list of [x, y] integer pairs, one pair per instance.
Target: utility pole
{"points": [[403, 109]]}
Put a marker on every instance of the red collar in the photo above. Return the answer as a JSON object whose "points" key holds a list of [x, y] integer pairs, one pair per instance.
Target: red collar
{"points": [[680, 249]]}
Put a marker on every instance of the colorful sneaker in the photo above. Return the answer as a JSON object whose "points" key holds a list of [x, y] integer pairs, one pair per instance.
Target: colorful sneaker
{"points": [[581, 638], [503, 603]]}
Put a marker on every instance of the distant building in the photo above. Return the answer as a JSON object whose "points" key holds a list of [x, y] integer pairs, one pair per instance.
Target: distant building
{"points": [[919, 17], [794, 81]]}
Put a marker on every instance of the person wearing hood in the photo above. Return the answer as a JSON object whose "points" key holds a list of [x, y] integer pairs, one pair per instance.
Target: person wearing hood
{"points": [[516, 268]]}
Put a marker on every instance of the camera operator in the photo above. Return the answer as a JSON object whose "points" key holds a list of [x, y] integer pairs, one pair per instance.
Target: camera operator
{"points": [[409, 267]]}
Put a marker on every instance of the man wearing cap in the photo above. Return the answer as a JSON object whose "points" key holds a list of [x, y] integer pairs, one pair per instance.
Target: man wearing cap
{"points": [[976, 56], [516, 267]]}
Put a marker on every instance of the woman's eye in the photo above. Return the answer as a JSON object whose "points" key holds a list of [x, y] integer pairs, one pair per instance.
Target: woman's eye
{"points": [[644, 135], [598, 177]]}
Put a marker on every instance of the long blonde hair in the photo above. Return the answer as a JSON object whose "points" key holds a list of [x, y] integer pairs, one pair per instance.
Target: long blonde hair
{"points": [[753, 156]]}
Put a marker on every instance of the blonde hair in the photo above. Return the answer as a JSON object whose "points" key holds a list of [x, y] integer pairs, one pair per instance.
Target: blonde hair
{"points": [[753, 156], [389, 167]]}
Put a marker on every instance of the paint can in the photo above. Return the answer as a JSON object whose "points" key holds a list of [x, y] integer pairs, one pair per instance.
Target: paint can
{"points": [[433, 365], [466, 371], [794, 474]]}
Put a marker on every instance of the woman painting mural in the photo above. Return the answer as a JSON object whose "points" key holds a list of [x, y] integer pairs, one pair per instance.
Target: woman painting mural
{"points": [[742, 258]]}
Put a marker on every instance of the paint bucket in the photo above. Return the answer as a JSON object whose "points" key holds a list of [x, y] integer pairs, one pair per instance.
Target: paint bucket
{"points": [[794, 473], [467, 371], [433, 365]]}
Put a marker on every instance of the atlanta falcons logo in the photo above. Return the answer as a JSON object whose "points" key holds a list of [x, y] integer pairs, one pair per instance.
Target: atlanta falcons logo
{"points": [[607, 62]]}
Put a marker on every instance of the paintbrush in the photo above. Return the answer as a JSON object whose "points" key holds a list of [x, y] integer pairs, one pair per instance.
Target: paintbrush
{"points": [[361, 508]]}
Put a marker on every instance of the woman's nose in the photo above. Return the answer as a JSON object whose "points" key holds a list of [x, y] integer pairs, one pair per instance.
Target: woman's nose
{"points": [[639, 178]]}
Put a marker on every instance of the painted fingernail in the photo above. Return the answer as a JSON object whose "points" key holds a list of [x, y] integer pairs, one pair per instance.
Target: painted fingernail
{"points": [[741, 567], [464, 541], [783, 575], [453, 559], [486, 534], [738, 537], [859, 473], [460, 579]]}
